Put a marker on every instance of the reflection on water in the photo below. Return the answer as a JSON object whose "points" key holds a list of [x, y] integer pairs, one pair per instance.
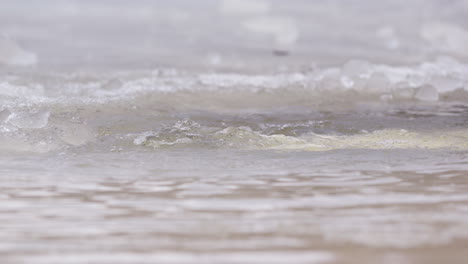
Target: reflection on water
{"points": [[192, 206]]}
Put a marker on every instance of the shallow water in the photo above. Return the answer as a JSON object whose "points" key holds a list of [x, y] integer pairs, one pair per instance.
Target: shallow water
{"points": [[193, 205], [139, 137]]}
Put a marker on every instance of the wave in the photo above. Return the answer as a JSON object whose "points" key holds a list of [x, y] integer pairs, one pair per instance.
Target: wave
{"points": [[187, 133], [45, 111]]}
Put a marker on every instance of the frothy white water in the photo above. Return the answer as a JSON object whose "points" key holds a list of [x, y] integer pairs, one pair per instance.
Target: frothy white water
{"points": [[244, 137], [444, 79]]}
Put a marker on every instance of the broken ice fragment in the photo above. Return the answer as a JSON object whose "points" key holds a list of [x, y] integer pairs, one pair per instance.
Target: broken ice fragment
{"points": [[403, 93], [427, 93], [378, 81], [76, 134], [446, 84], [4, 115], [29, 120], [357, 68]]}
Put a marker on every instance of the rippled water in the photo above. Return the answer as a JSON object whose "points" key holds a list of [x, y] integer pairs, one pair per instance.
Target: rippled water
{"points": [[283, 133]]}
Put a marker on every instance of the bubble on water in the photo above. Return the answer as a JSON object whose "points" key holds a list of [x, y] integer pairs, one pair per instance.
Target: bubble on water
{"points": [[427, 93], [12, 54], [37, 119]]}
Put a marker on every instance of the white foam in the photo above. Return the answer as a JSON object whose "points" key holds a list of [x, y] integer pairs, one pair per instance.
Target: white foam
{"points": [[364, 79]]}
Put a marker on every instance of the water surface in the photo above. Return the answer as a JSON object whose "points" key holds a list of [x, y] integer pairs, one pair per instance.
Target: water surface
{"points": [[294, 132]]}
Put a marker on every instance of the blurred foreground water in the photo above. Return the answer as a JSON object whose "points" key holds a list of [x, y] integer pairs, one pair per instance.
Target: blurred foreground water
{"points": [[234, 131]]}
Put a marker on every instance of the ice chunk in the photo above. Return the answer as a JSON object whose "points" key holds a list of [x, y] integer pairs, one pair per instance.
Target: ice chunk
{"points": [[245, 7], [76, 134], [4, 115], [427, 93], [378, 81], [355, 74], [283, 29], [14, 55], [29, 120], [347, 82], [448, 62], [403, 92], [357, 68], [446, 84], [330, 80]]}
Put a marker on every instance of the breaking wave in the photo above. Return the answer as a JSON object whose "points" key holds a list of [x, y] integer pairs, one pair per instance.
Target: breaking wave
{"points": [[48, 111]]}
